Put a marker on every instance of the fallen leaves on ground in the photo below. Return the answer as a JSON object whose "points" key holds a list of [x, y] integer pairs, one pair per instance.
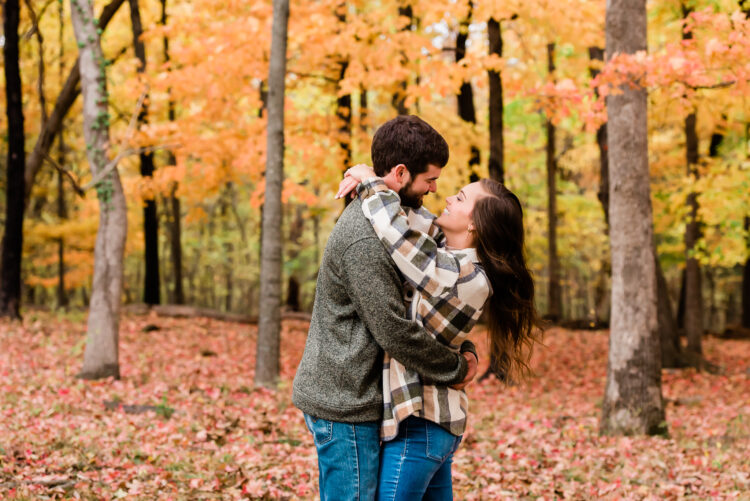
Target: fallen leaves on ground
{"points": [[185, 421]]}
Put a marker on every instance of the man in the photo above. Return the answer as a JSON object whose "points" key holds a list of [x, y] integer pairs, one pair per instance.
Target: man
{"points": [[359, 313]]}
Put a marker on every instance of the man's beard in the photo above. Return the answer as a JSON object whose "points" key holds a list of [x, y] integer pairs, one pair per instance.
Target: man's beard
{"points": [[410, 198]]}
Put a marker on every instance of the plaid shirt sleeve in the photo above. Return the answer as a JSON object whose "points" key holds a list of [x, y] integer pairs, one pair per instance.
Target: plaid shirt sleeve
{"points": [[434, 271]]}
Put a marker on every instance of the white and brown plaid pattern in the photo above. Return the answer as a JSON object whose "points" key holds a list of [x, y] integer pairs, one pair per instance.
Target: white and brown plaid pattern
{"points": [[449, 290]]}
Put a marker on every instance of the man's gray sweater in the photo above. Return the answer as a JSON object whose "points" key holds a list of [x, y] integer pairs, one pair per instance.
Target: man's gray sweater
{"points": [[358, 314]]}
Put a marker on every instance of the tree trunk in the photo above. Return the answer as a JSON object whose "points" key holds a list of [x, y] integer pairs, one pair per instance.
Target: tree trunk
{"points": [[151, 283], [693, 320], [633, 401], [497, 141], [554, 291], [746, 283], [269, 323], [597, 54], [344, 105], [465, 96], [398, 99], [62, 297], [175, 245], [344, 110], [101, 356], [669, 336], [175, 240], [601, 306], [64, 102], [296, 229], [363, 121], [12, 243]]}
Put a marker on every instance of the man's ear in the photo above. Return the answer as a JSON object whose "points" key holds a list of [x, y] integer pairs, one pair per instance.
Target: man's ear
{"points": [[397, 177], [402, 174]]}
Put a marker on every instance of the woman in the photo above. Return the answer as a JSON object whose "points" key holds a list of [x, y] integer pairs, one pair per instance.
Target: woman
{"points": [[467, 259]]}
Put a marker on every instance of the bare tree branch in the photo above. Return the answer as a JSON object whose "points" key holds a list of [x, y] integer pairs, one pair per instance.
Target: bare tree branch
{"points": [[76, 187], [123, 154]]}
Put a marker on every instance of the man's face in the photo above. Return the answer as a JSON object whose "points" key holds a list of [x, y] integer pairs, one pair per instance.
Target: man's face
{"points": [[420, 185]]}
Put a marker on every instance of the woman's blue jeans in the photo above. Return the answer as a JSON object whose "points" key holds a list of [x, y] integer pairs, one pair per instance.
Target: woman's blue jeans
{"points": [[417, 463]]}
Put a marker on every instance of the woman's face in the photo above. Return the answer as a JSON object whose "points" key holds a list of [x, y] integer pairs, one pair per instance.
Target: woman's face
{"points": [[456, 217]]}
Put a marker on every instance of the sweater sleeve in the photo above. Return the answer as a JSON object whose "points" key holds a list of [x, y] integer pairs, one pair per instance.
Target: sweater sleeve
{"points": [[376, 292]]}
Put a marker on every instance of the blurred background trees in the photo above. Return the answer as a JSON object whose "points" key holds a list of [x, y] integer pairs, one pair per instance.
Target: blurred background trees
{"points": [[516, 88]]}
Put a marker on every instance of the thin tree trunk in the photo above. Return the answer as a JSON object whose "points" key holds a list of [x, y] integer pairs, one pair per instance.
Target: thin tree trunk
{"points": [[497, 141], [398, 99], [363, 120], [62, 297], [175, 239], [669, 337], [745, 299], [269, 323], [466, 94], [746, 283], [601, 306], [554, 291], [64, 102], [597, 54], [12, 243], [693, 320], [151, 283], [344, 108], [101, 356], [296, 229], [344, 103], [633, 401]]}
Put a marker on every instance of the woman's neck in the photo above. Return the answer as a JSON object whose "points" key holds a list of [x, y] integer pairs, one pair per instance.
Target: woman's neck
{"points": [[460, 240]]}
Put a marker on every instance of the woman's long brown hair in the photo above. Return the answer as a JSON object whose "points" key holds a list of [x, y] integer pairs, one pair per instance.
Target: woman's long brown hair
{"points": [[512, 318]]}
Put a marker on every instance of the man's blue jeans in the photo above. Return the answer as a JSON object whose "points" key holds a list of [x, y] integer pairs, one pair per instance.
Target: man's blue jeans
{"points": [[348, 458], [417, 463]]}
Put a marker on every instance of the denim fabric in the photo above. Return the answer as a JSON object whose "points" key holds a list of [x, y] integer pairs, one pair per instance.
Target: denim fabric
{"points": [[417, 463], [348, 458]]}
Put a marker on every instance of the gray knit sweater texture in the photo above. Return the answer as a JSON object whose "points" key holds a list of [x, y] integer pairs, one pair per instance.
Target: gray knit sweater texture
{"points": [[358, 314]]}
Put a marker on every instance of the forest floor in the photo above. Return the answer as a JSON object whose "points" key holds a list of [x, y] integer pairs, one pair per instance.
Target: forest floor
{"points": [[186, 423]]}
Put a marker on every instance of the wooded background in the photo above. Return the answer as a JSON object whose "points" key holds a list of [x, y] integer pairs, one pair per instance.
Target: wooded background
{"points": [[517, 88]]}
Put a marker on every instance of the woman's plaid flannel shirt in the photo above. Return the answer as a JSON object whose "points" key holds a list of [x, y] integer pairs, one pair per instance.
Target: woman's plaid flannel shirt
{"points": [[451, 290]]}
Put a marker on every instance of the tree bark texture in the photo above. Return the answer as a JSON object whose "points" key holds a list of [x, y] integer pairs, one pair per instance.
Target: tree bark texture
{"points": [[398, 99], [344, 104], [64, 102], [553, 265], [12, 243], [496, 164], [597, 54], [101, 356], [175, 238], [62, 297], [693, 320], [746, 283], [363, 120], [151, 285], [669, 336], [632, 400], [466, 109], [269, 322]]}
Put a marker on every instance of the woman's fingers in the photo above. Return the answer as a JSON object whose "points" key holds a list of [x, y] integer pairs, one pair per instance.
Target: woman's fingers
{"points": [[346, 186]]}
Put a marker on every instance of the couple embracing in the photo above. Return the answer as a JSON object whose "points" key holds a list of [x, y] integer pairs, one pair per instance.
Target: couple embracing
{"points": [[381, 381]]}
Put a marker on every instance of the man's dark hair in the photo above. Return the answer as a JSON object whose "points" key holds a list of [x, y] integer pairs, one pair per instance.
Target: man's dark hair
{"points": [[407, 140]]}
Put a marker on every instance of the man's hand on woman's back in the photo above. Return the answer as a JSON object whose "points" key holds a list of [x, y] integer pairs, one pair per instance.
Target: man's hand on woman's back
{"points": [[471, 359]]}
